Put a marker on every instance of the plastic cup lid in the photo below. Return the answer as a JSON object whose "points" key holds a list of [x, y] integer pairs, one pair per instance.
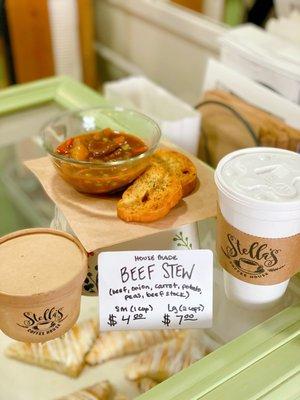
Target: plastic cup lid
{"points": [[40, 262], [262, 177]]}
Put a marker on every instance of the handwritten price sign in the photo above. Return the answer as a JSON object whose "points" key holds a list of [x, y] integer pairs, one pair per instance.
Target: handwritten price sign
{"points": [[155, 289]]}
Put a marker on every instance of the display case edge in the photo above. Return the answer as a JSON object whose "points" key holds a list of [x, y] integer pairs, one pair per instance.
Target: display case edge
{"points": [[226, 363], [63, 90], [222, 366]]}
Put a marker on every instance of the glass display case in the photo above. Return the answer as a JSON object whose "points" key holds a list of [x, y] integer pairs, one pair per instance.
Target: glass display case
{"points": [[249, 354]]}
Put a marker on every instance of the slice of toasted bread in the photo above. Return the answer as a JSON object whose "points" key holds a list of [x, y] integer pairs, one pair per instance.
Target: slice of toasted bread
{"points": [[151, 196], [180, 165]]}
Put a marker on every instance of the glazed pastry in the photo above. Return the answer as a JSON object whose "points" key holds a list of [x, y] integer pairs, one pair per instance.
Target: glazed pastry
{"points": [[145, 384], [100, 391], [119, 396], [164, 360], [118, 344], [65, 354]]}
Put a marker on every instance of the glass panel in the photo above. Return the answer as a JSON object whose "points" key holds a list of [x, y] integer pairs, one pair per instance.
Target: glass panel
{"points": [[23, 202]]}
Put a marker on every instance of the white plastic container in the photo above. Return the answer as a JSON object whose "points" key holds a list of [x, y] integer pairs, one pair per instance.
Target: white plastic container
{"points": [[176, 119], [264, 58], [259, 194], [284, 8], [286, 27]]}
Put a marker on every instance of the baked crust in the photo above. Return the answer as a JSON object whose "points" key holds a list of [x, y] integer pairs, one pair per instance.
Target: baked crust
{"points": [[65, 354], [111, 345], [180, 165], [165, 359], [145, 384], [100, 391], [151, 196]]}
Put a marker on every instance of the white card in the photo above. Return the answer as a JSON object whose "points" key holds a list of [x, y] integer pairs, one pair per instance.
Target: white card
{"points": [[155, 289]]}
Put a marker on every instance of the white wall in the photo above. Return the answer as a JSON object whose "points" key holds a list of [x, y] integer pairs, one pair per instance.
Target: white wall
{"points": [[162, 41]]}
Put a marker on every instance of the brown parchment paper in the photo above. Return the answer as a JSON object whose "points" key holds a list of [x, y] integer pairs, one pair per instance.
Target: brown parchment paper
{"points": [[223, 133], [256, 260], [94, 218]]}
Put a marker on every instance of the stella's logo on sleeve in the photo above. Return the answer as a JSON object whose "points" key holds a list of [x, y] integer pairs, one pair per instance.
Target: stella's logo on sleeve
{"points": [[47, 322], [256, 260]]}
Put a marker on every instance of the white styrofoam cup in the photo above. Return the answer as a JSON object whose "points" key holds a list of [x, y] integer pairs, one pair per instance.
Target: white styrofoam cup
{"points": [[257, 217]]}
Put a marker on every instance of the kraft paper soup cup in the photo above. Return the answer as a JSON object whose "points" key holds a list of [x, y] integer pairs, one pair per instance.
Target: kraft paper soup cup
{"points": [[258, 223], [41, 276]]}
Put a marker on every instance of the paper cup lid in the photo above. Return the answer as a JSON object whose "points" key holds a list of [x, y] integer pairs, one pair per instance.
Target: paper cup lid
{"points": [[40, 263], [263, 177]]}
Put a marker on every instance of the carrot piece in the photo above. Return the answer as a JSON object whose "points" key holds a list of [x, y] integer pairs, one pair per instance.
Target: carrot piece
{"points": [[139, 150], [119, 140], [65, 147]]}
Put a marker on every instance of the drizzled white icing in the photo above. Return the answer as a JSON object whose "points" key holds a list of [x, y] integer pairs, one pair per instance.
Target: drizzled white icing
{"points": [[110, 345], [100, 391], [265, 175], [165, 359], [67, 351]]}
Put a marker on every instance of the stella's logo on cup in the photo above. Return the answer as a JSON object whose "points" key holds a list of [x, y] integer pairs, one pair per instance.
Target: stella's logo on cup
{"points": [[47, 322], [254, 261]]}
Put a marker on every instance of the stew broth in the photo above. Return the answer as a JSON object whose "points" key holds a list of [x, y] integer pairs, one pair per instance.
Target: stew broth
{"points": [[100, 148], [103, 146]]}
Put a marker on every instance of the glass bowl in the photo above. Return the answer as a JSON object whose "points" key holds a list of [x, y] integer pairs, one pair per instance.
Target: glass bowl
{"points": [[96, 177]]}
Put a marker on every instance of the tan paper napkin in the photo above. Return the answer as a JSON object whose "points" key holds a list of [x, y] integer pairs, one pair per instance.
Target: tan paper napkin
{"points": [[94, 218]]}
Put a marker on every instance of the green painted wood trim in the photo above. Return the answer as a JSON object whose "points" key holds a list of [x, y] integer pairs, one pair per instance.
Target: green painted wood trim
{"points": [[287, 390], [230, 360], [63, 90], [261, 377], [73, 94], [19, 97]]}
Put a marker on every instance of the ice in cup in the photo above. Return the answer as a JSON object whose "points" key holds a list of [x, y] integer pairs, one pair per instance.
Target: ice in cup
{"points": [[41, 276], [258, 223]]}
